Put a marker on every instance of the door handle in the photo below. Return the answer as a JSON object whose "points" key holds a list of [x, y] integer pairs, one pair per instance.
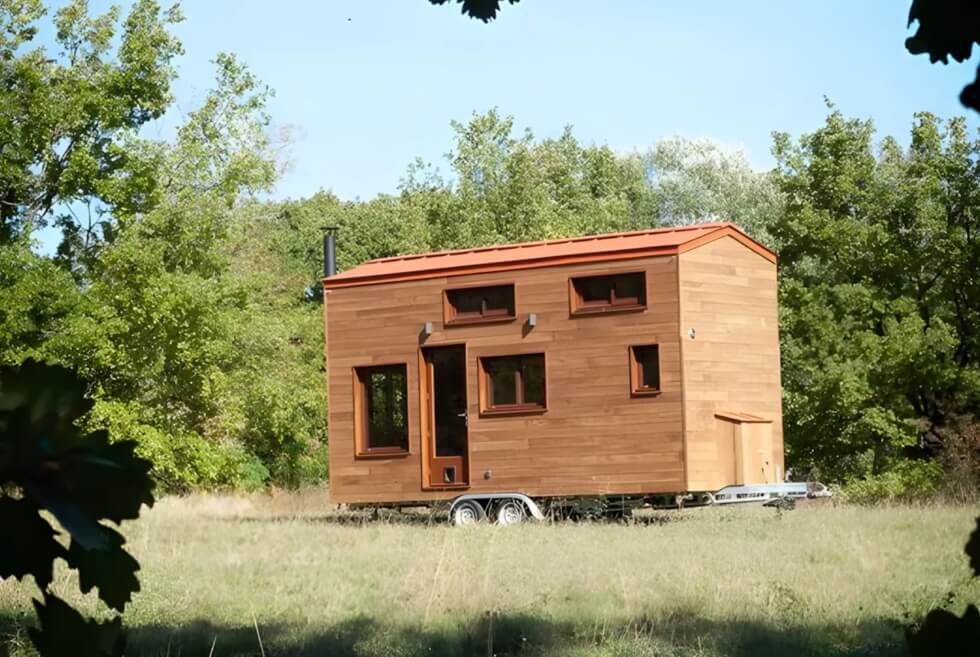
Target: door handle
{"points": [[465, 416]]}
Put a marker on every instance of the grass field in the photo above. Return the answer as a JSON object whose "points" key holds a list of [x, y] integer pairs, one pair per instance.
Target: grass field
{"points": [[221, 572]]}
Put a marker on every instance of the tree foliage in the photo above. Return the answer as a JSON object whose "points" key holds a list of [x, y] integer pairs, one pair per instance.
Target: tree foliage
{"points": [[65, 117], [879, 296]]}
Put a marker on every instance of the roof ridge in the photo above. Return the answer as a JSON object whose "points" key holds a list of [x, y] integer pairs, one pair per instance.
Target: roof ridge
{"points": [[557, 240]]}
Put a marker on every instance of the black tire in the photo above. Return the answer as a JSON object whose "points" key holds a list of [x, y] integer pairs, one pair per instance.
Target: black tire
{"points": [[509, 512], [468, 512]]}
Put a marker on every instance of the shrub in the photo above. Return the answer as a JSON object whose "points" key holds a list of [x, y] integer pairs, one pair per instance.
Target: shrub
{"points": [[960, 458], [908, 481]]}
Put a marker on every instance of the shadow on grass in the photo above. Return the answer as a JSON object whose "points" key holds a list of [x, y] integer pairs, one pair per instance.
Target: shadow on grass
{"points": [[678, 635]]}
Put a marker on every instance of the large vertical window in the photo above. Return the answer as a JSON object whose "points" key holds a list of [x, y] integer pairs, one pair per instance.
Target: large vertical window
{"points": [[612, 292], [471, 305], [512, 384], [645, 369], [381, 410]]}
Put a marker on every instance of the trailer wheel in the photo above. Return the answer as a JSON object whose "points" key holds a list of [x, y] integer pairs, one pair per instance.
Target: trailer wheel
{"points": [[509, 512], [469, 512]]}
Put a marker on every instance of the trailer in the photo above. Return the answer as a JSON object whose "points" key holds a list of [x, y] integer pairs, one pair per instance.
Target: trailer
{"points": [[640, 366]]}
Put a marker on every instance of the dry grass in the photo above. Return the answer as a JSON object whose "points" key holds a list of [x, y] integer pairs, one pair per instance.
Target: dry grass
{"points": [[712, 582]]}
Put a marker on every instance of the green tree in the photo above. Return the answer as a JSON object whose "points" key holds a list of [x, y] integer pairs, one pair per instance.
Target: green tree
{"points": [[879, 296], [698, 180], [163, 313], [66, 117], [504, 188]]}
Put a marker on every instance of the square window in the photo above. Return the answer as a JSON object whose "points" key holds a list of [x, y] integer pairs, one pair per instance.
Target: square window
{"points": [[608, 293], [381, 410], [512, 384], [645, 369], [473, 305]]}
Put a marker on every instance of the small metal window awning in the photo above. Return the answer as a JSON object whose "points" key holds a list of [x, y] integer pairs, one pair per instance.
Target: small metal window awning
{"points": [[741, 417]]}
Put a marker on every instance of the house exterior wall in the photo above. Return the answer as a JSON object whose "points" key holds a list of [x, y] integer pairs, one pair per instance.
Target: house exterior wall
{"points": [[728, 295], [594, 438]]}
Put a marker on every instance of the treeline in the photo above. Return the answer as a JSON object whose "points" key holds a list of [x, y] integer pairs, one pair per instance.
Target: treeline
{"points": [[195, 307]]}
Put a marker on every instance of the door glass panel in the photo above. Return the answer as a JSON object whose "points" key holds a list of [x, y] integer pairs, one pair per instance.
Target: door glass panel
{"points": [[449, 401]]}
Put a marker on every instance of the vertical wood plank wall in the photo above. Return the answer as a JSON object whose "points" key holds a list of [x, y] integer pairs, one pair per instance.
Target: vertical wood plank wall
{"points": [[594, 438], [728, 295]]}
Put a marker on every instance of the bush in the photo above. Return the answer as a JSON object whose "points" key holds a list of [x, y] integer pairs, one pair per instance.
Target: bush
{"points": [[182, 461], [906, 482], [961, 460]]}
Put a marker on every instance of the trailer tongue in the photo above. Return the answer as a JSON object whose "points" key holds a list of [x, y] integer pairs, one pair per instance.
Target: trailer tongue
{"points": [[768, 492]]}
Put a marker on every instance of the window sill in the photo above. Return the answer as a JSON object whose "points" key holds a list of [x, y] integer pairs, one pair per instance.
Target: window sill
{"points": [[480, 320], [648, 392], [382, 454], [513, 410], [605, 310]]}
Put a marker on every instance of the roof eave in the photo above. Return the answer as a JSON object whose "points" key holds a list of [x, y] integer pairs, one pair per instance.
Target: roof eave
{"points": [[722, 230]]}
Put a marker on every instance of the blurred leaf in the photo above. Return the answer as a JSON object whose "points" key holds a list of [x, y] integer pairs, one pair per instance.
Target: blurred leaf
{"points": [[64, 632], [973, 549], [947, 28], [79, 526], [56, 463], [112, 570], [485, 10], [32, 548]]}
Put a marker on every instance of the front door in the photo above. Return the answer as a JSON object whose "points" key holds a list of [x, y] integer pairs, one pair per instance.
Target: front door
{"points": [[444, 389]]}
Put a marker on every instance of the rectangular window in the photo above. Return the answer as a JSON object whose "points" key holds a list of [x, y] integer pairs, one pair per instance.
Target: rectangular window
{"points": [[512, 384], [609, 292], [471, 305], [381, 410], [645, 369]]}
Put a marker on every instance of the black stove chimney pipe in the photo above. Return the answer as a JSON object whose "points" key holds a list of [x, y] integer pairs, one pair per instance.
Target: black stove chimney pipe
{"points": [[329, 251]]}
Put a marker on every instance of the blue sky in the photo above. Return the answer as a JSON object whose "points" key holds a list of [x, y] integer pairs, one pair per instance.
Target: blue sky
{"points": [[369, 85]]}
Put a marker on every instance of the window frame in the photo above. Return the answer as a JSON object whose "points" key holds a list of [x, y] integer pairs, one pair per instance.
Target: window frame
{"points": [[361, 414], [488, 409], [450, 314], [637, 389], [579, 307]]}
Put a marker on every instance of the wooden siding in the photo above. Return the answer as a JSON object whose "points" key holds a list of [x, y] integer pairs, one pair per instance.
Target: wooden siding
{"points": [[728, 295], [594, 437]]}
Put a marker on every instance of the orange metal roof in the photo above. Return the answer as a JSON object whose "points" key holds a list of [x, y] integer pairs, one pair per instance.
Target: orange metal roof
{"points": [[594, 248]]}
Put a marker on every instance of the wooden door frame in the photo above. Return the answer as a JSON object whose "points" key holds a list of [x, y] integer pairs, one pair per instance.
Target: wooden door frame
{"points": [[427, 413]]}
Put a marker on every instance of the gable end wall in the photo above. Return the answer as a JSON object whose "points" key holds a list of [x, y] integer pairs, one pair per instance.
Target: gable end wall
{"points": [[728, 295]]}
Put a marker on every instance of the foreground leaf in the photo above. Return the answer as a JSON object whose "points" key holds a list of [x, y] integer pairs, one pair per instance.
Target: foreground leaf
{"points": [[32, 548], [112, 570], [973, 549]]}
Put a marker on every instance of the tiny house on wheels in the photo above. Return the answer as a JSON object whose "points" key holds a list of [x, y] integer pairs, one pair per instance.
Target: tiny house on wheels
{"points": [[640, 365]]}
